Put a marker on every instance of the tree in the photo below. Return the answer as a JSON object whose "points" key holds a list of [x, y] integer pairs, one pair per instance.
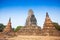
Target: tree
{"points": [[57, 26], [13, 29], [1, 27], [18, 27]]}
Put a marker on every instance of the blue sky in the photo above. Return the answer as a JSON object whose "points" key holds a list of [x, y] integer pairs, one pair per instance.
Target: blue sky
{"points": [[18, 11]]}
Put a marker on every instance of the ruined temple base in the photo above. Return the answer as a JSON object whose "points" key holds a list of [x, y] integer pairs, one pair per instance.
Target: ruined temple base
{"points": [[20, 37]]}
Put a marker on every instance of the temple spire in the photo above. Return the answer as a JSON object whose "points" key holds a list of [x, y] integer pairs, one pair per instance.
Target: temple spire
{"points": [[31, 20], [9, 22], [30, 12], [8, 27], [47, 19], [48, 27], [47, 14], [9, 19]]}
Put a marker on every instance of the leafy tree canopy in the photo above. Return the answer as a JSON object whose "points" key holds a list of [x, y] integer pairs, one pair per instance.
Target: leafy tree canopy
{"points": [[18, 27], [2, 26], [57, 26]]}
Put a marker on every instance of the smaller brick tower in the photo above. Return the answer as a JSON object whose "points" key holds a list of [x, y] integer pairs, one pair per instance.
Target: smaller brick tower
{"points": [[49, 28], [8, 27]]}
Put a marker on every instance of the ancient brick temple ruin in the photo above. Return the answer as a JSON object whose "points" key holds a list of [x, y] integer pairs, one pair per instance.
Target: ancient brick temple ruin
{"points": [[31, 27], [8, 31], [8, 27], [49, 28]]}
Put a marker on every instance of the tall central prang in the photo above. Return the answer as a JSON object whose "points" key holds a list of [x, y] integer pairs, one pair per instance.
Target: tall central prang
{"points": [[31, 27], [31, 20]]}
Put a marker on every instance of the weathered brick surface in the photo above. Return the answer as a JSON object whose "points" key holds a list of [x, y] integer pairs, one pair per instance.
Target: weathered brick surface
{"points": [[8, 27], [30, 30], [49, 28]]}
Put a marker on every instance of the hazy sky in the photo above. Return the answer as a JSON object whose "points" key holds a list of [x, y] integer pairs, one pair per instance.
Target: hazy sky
{"points": [[18, 11]]}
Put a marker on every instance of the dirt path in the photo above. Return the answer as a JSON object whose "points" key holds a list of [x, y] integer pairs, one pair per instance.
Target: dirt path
{"points": [[35, 38]]}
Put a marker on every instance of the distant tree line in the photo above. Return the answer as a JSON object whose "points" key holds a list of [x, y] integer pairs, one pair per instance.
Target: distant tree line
{"points": [[17, 28], [2, 26]]}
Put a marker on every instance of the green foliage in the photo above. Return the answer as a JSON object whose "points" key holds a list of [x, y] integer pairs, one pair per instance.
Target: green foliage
{"points": [[13, 29], [57, 26], [18, 27], [1, 27]]}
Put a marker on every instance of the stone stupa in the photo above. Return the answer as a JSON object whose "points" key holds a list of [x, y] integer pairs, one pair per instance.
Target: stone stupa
{"points": [[30, 27], [49, 28], [8, 29]]}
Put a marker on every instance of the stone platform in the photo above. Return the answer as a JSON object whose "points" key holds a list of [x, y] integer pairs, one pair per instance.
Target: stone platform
{"points": [[29, 30]]}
